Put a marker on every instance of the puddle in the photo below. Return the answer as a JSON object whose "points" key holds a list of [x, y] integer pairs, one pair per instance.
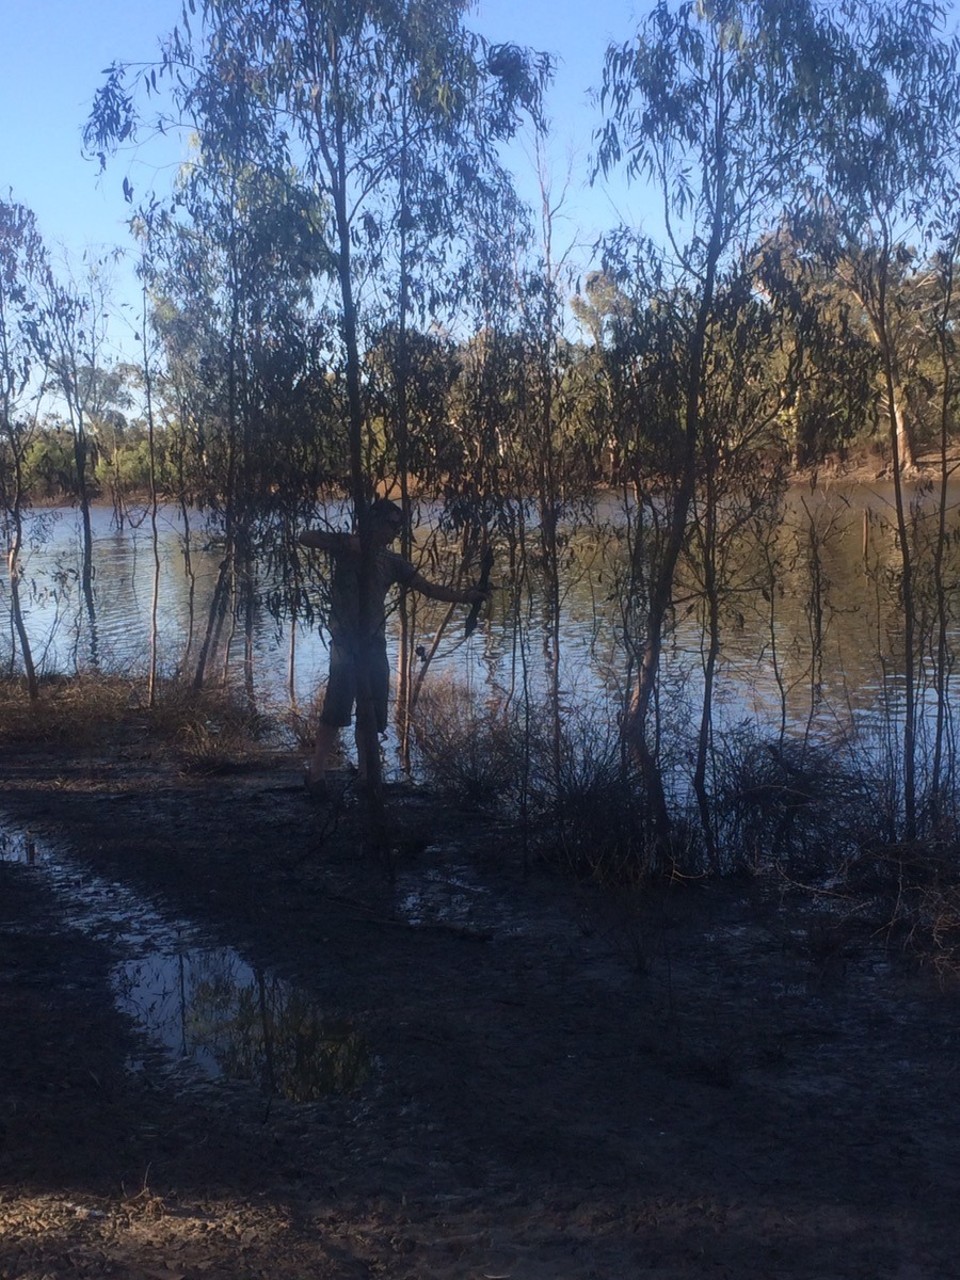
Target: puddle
{"points": [[232, 1020], [205, 1005]]}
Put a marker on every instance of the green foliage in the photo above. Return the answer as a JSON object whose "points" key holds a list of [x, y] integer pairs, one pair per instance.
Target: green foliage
{"points": [[126, 471], [49, 465]]}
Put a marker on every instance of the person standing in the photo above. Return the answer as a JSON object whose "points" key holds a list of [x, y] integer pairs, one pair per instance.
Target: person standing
{"points": [[358, 649]]}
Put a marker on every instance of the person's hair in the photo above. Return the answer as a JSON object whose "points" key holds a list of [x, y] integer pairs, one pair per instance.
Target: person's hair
{"points": [[385, 512]]}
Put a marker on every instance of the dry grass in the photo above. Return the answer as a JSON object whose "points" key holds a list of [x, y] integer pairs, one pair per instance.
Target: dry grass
{"points": [[209, 731], [800, 806], [85, 710], [914, 889], [579, 798], [471, 752]]}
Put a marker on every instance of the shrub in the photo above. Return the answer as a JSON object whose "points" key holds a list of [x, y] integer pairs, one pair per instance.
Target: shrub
{"points": [[803, 806], [471, 752]]}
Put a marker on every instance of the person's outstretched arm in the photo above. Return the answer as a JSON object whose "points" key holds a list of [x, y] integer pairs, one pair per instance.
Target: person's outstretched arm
{"points": [[451, 595], [328, 540]]}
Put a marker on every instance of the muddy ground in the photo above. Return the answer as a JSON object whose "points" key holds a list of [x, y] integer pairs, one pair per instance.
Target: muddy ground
{"points": [[559, 1083]]}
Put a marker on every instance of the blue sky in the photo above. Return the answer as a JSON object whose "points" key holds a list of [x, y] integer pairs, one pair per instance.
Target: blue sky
{"points": [[55, 51]]}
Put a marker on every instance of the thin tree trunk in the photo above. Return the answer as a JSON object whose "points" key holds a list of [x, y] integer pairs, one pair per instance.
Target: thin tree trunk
{"points": [[705, 733], [154, 530], [218, 606], [942, 672], [407, 605], [249, 621], [187, 556], [907, 597], [368, 744], [661, 595], [16, 611]]}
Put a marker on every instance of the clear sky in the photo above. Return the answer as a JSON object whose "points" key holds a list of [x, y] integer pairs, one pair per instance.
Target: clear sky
{"points": [[54, 52], [577, 36]]}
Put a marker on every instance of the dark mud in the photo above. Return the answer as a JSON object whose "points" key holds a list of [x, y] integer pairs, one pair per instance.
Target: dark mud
{"points": [[556, 1083]]}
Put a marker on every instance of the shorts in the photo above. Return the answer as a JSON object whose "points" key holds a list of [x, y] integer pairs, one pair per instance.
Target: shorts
{"points": [[341, 695]]}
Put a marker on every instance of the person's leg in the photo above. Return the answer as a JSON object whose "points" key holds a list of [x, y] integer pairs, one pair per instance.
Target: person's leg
{"points": [[326, 752], [337, 709], [363, 761], [379, 672]]}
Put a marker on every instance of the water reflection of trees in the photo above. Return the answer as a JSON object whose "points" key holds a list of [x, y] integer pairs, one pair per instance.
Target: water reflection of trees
{"points": [[834, 622], [244, 1024], [270, 1033]]}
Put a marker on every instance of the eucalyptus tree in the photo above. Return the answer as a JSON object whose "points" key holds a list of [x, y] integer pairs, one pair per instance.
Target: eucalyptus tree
{"points": [[485, 491], [551, 466], [827, 363], [24, 277], [629, 397], [944, 267], [450, 102], [707, 104], [926, 305], [77, 319], [886, 150], [149, 373], [109, 399], [234, 296], [343, 95], [249, 412], [737, 506]]}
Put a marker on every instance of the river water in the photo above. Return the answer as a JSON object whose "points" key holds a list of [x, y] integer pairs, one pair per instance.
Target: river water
{"points": [[817, 638]]}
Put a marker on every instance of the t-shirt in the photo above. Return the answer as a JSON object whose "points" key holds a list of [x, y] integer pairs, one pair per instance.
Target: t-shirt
{"points": [[390, 569]]}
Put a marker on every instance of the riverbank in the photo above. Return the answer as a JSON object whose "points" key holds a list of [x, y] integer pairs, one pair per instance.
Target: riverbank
{"points": [[562, 1083]]}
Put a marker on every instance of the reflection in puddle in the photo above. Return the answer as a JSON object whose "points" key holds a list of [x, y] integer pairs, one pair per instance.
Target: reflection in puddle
{"points": [[204, 1004], [232, 1020]]}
